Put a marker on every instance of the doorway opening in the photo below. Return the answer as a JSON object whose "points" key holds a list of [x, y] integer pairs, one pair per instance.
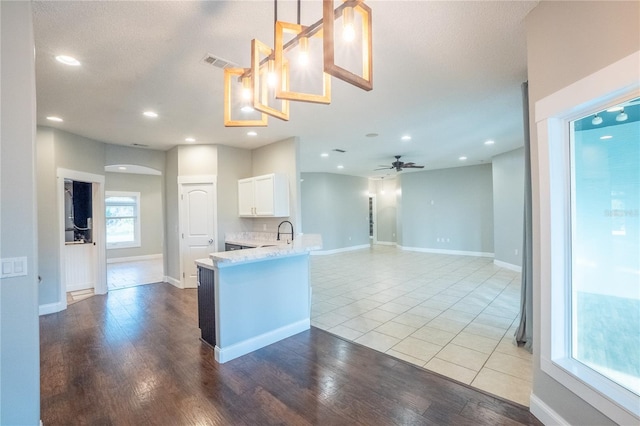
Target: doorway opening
{"points": [[373, 219]]}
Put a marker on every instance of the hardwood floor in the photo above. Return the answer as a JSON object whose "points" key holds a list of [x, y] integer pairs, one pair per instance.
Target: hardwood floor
{"points": [[134, 357]]}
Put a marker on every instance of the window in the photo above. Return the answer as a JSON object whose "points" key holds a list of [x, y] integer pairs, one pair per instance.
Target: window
{"points": [[589, 238], [123, 219], [605, 243]]}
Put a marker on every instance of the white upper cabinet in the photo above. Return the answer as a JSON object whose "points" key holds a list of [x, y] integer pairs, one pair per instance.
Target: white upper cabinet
{"points": [[264, 196]]}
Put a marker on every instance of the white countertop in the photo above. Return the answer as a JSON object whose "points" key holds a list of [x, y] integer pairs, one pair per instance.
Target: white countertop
{"points": [[302, 244]]}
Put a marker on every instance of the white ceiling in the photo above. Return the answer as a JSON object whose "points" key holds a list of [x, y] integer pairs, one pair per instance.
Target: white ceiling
{"points": [[446, 73]]}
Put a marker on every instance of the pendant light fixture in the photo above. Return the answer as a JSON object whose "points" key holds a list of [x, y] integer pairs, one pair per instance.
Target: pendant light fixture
{"points": [[264, 89], [622, 116], [596, 120]]}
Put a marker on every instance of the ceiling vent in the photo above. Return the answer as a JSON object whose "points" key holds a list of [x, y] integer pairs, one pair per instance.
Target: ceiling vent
{"points": [[218, 62], [341, 151]]}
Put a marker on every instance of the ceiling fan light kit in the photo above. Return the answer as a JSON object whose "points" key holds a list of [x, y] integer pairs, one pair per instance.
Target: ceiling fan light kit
{"points": [[270, 72]]}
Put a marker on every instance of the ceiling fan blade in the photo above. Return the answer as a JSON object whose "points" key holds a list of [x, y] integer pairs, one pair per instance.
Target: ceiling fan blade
{"points": [[413, 167], [408, 164], [383, 168]]}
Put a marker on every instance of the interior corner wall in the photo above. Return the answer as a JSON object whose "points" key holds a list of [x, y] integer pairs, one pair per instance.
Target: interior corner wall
{"points": [[151, 213], [567, 41], [508, 206], [453, 205], [233, 164], [19, 326], [279, 157], [336, 207], [172, 240]]}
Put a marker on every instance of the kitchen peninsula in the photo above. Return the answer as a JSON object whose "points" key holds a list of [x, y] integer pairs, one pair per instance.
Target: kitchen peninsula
{"points": [[251, 298]]}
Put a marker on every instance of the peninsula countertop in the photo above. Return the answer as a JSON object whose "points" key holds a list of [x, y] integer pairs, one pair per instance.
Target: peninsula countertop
{"points": [[265, 250]]}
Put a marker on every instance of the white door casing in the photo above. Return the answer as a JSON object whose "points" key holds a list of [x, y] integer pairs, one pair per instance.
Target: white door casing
{"points": [[197, 224]]}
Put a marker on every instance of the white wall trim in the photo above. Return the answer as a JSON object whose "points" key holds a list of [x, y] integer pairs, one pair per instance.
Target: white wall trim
{"points": [[442, 251], [134, 258], [242, 348], [386, 243], [174, 282], [544, 413], [339, 250], [197, 179], [509, 266], [51, 308]]}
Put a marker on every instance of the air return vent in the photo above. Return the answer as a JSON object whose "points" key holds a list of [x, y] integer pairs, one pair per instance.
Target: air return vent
{"points": [[341, 151], [217, 61]]}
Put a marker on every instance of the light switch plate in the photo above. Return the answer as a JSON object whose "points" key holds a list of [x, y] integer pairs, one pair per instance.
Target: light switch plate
{"points": [[14, 267]]}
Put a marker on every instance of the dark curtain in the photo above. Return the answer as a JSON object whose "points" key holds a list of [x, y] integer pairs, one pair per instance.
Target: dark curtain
{"points": [[524, 333]]}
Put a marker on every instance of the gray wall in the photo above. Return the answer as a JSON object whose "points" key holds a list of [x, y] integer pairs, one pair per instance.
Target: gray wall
{"points": [[233, 164], [150, 188], [386, 220], [452, 203], [279, 157], [508, 206], [567, 41], [119, 154], [335, 206], [19, 335]]}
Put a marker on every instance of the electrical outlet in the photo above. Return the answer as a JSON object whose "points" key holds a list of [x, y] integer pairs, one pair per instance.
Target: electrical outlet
{"points": [[515, 252], [448, 240], [349, 238], [438, 240], [14, 267]]}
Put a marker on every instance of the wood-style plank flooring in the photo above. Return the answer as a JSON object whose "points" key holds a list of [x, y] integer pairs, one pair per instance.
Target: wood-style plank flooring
{"points": [[134, 357]]}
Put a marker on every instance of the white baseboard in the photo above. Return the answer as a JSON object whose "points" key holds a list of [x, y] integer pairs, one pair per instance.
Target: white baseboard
{"points": [[172, 281], [51, 308], [257, 342], [442, 251], [544, 413], [78, 287], [386, 243], [509, 266], [134, 258], [340, 250]]}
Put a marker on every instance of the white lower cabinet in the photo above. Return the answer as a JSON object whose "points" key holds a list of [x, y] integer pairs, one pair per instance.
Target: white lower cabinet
{"points": [[264, 196]]}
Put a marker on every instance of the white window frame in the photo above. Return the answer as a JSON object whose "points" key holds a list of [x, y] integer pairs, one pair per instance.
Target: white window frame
{"points": [[137, 240], [607, 87]]}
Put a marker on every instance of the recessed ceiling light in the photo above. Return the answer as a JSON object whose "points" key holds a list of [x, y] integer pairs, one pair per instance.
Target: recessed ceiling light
{"points": [[122, 168], [150, 114], [57, 119], [324, 154], [406, 138], [489, 142], [371, 135], [606, 137], [252, 133], [189, 140], [68, 60], [340, 166], [462, 158], [615, 109]]}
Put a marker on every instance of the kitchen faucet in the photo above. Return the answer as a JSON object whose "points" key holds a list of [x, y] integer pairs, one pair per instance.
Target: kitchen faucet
{"points": [[291, 224]]}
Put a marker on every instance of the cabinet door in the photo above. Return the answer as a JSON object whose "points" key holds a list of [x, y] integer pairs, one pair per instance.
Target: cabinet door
{"points": [[245, 197], [263, 186]]}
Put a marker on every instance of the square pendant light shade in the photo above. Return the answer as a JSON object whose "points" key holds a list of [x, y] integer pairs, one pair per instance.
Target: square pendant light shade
{"points": [[238, 104], [266, 80], [302, 44], [346, 13]]}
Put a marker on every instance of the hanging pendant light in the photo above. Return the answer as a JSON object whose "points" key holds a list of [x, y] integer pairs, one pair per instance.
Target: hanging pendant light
{"points": [[238, 109], [596, 120], [622, 116]]}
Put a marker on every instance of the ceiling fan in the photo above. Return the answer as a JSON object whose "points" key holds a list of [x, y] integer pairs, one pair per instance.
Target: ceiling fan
{"points": [[399, 165]]}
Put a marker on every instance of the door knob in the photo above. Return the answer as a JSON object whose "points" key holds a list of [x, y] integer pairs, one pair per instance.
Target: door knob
{"points": [[211, 241]]}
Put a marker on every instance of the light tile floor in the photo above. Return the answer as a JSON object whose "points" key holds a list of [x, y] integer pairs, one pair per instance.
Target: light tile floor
{"points": [[455, 315], [128, 274]]}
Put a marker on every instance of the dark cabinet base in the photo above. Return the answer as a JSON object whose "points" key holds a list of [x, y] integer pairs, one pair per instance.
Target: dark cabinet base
{"points": [[207, 305]]}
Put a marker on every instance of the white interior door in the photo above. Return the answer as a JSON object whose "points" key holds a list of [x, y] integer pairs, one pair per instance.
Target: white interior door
{"points": [[198, 227]]}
